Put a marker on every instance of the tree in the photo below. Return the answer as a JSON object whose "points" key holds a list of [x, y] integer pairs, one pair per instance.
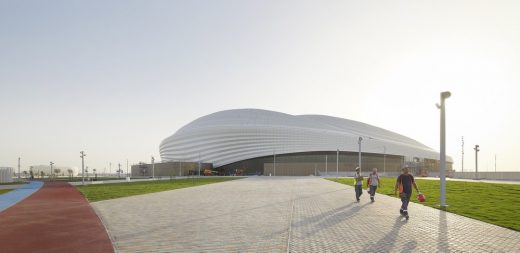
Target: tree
{"points": [[57, 171], [42, 174], [71, 173]]}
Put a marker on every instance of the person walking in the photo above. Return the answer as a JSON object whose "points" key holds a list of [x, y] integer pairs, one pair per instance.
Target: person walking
{"points": [[404, 184], [372, 183], [358, 184]]}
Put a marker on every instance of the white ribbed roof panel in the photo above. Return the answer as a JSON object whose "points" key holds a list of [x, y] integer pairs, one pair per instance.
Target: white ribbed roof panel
{"points": [[234, 135]]}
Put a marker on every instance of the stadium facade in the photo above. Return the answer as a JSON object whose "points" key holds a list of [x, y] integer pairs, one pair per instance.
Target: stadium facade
{"points": [[262, 142]]}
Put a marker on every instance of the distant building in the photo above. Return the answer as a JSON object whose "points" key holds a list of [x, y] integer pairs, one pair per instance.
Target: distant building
{"points": [[265, 142], [6, 174]]}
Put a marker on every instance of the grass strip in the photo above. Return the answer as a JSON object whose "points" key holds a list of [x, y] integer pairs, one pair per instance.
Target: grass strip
{"points": [[98, 192], [489, 202], [4, 191]]}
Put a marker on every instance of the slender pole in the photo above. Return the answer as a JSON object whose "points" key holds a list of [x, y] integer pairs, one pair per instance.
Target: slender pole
{"points": [[462, 162], [19, 169], [315, 170], [153, 168], [126, 167], [82, 167], [326, 169], [384, 160], [180, 167], [359, 143], [476, 160], [337, 163], [442, 169], [274, 163], [51, 168], [119, 170]]}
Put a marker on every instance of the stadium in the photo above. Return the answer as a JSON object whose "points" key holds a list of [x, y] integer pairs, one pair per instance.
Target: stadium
{"points": [[262, 142]]}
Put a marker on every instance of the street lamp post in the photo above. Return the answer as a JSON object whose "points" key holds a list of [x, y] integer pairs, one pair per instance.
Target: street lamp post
{"points": [[384, 160], [19, 179], [337, 163], [51, 163], [82, 167], [476, 160], [274, 163], [462, 160], [442, 169], [326, 169], [359, 158], [153, 167]]}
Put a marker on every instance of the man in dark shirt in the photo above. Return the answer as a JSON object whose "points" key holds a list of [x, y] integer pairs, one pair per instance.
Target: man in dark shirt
{"points": [[404, 184]]}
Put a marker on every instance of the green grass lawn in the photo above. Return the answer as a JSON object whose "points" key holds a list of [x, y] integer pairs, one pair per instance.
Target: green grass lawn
{"points": [[5, 191], [493, 203], [11, 183], [98, 192]]}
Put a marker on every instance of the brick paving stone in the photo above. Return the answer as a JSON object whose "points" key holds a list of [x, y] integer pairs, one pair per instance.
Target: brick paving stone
{"points": [[289, 214]]}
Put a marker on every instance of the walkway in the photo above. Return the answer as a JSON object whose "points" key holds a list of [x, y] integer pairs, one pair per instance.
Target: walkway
{"points": [[54, 219], [289, 214]]}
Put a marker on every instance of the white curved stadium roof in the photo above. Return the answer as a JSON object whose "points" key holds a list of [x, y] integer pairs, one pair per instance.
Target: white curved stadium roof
{"points": [[234, 135]]}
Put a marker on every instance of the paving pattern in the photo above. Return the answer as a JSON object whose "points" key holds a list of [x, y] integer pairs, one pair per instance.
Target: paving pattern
{"points": [[289, 214]]}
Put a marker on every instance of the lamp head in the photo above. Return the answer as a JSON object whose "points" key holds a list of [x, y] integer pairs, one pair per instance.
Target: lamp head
{"points": [[445, 94]]}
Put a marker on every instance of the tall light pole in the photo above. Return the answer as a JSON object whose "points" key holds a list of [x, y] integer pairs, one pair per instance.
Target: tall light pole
{"points": [[326, 169], [274, 163], [359, 143], [442, 169], [82, 167], [462, 162], [337, 163], [476, 160], [19, 169], [51, 163], [119, 170], [127, 168], [384, 160], [153, 167]]}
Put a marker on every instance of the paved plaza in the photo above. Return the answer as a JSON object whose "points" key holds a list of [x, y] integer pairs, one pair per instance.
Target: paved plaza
{"points": [[289, 214]]}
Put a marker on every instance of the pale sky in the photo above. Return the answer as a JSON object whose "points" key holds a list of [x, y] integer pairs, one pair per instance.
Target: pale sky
{"points": [[114, 78]]}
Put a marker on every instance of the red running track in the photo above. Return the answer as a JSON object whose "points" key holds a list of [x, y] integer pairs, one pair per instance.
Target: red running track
{"points": [[56, 219]]}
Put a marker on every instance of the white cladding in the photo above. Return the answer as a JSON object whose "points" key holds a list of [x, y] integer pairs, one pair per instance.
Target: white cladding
{"points": [[234, 135], [6, 174]]}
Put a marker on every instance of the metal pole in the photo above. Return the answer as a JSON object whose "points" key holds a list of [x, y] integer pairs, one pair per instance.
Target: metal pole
{"points": [[315, 170], [359, 143], [274, 163], [476, 160], [51, 167], [337, 163], [180, 167], [19, 179], [153, 168], [442, 169], [82, 167], [326, 169], [126, 167], [119, 170], [384, 160], [462, 156]]}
